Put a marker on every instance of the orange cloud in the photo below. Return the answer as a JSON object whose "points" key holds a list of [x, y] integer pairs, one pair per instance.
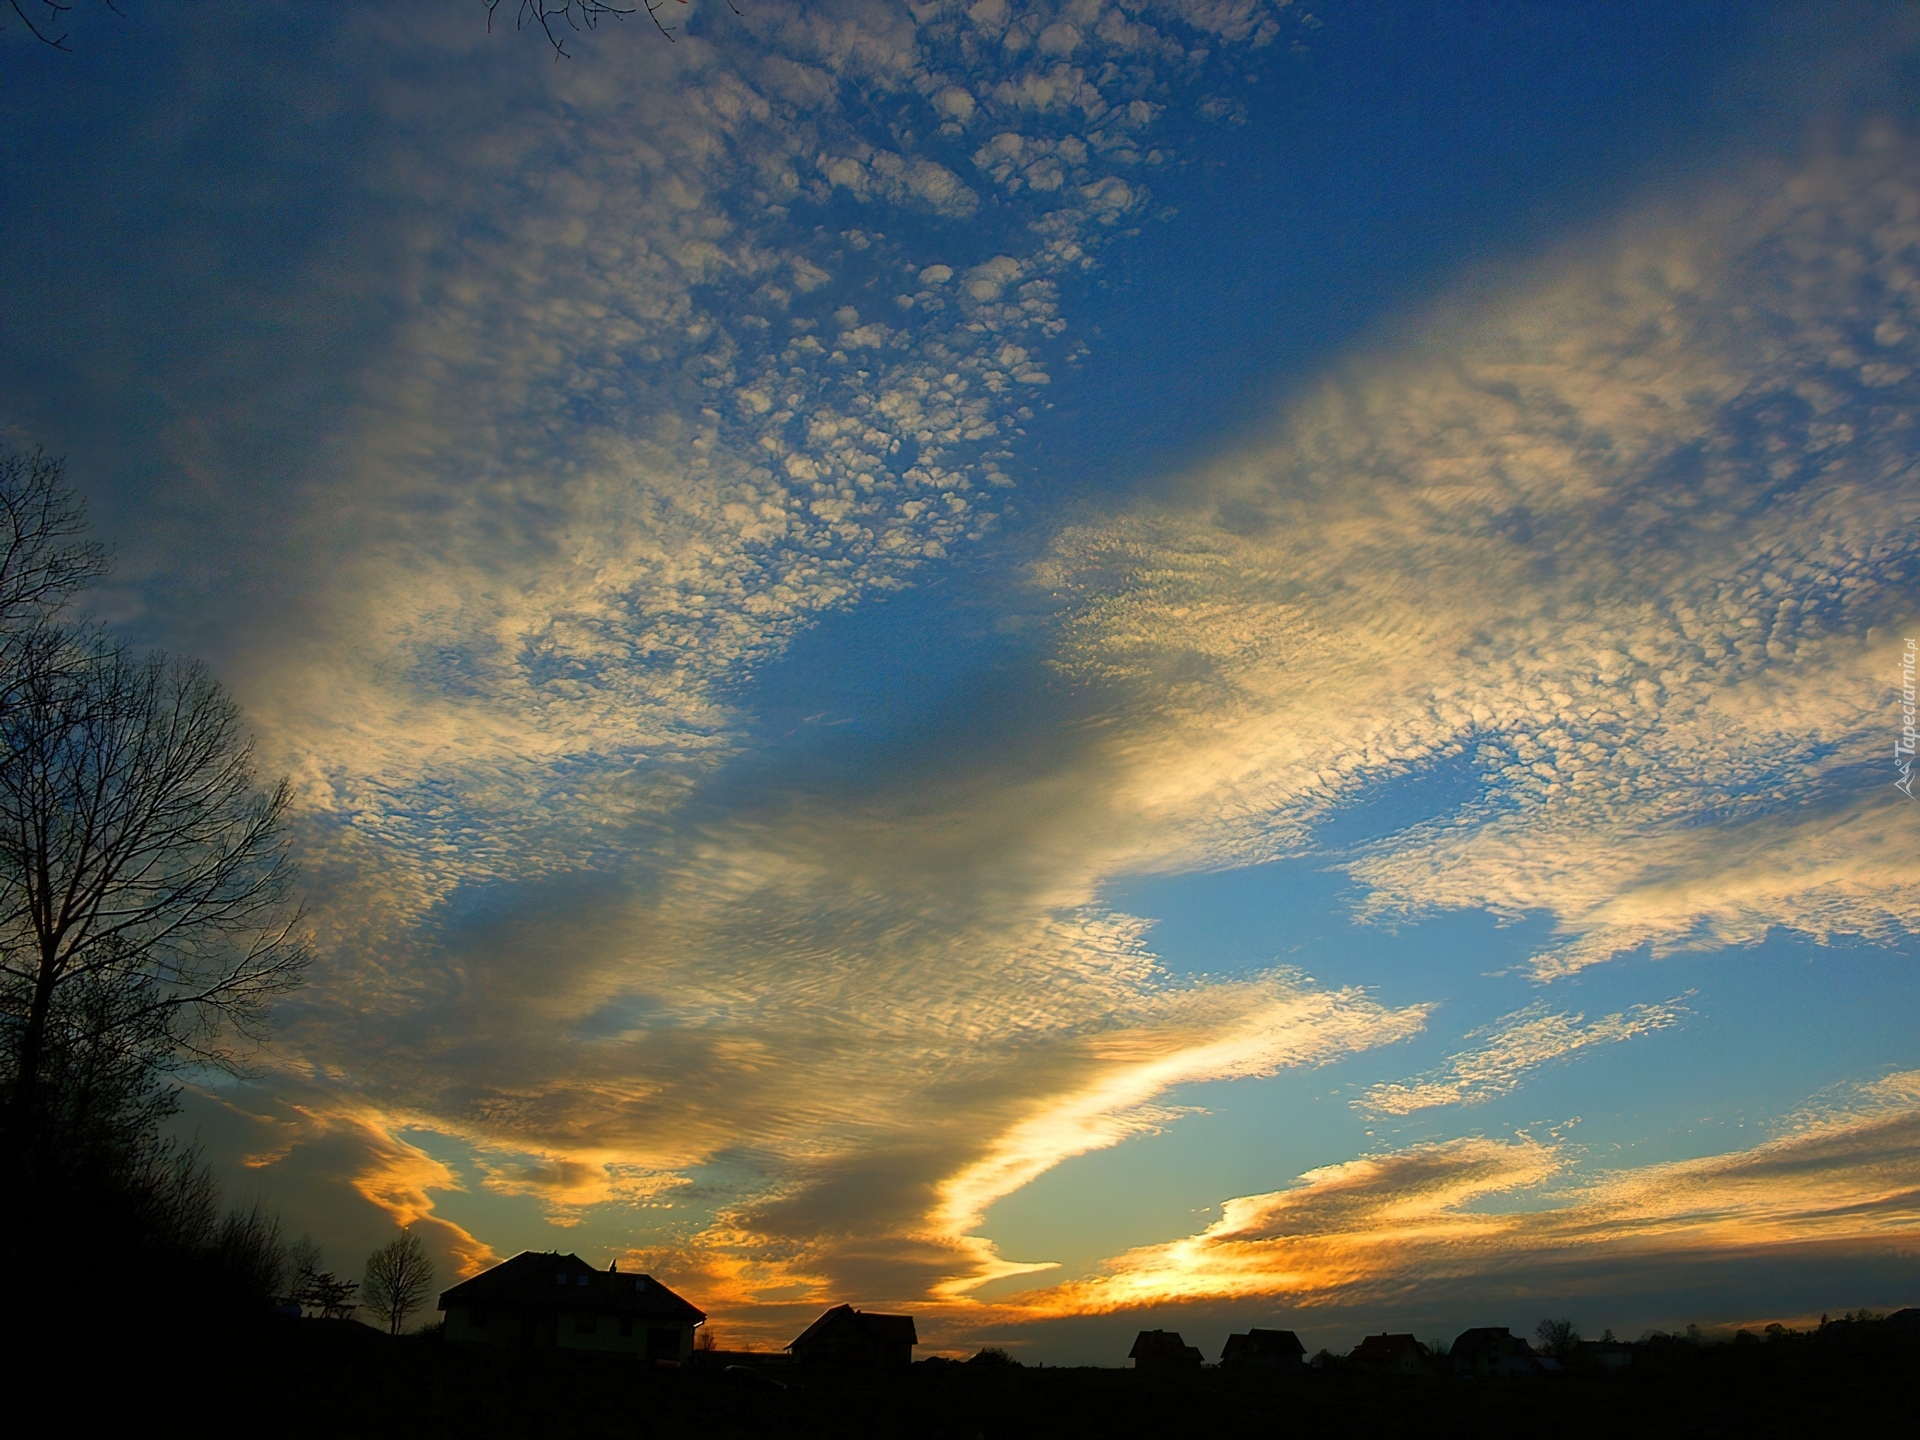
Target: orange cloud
{"points": [[1847, 1173], [396, 1177]]}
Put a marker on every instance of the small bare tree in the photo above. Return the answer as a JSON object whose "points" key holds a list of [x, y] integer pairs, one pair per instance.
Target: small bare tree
{"points": [[1557, 1338], [399, 1275]]}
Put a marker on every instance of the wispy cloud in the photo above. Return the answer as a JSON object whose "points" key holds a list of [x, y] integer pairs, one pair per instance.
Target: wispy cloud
{"points": [[1512, 1047], [1846, 1172]]}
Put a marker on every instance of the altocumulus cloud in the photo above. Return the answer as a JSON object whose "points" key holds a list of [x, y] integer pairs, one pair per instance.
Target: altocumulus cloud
{"points": [[643, 417], [1624, 533], [1510, 1048], [1633, 539]]}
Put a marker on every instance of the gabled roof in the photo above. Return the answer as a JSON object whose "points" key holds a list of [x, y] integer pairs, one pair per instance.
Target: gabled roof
{"points": [[533, 1280], [1283, 1342], [1389, 1347], [1151, 1344], [1276, 1344], [1496, 1335], [879, 1329]]}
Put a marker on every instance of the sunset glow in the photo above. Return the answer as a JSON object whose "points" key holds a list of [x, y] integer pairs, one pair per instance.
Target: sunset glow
{"points": [[1206, 662]]}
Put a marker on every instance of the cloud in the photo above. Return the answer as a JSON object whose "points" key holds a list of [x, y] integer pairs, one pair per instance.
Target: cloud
{"points": [[1846, 1172], [1827, 871], [1294, 1027], [1618, 534], [338, 1169], [615, 454], [1630, 538], [1514, 1046], [1593, 537]]}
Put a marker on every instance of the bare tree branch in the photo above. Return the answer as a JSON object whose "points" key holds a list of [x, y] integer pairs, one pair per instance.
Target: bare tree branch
{"points": [[55, 14], [56, 9], [399, 1275], [146, 911], [574, 15]]}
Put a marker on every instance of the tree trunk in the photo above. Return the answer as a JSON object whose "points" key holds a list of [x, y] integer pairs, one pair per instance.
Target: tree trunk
{"points": [[33, 1041]]}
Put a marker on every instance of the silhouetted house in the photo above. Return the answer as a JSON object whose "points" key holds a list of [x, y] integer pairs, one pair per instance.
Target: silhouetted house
{"points": [[560, 1301], [1163, 1350], [1265, 1350], [1392, 1355], [1908, 1319], [1491, 1351], [846, 1336]]}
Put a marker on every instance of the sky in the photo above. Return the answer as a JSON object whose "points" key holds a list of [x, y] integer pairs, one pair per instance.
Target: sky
{"points": [[1066, 667]]}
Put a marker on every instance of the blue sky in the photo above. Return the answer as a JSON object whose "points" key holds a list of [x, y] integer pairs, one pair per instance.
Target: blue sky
{"points": [[1065, 666]]}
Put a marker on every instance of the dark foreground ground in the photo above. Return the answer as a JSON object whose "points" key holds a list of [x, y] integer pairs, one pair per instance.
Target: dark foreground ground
{"points": [[314, 1378]]}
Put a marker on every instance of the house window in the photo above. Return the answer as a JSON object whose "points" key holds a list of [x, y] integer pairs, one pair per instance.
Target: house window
{"points": [[626, 1327], [559, 1279], [585, 1324], [579, 1279], [477, 1316]]}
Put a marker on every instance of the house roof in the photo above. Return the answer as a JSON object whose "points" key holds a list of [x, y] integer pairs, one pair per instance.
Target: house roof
{"points": [[1489, 1335], [1264, 1342], [545, 1281], [1278, 1340], [1388, 1347], [1162, 1342], [879, 1329]]}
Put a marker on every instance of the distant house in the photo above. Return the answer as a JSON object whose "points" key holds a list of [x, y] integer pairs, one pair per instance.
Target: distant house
{"points": [[1265, 1350], [1393, 1355], [1163, 1350], [561, 1302], [1491, 1351], [846, 1336]]}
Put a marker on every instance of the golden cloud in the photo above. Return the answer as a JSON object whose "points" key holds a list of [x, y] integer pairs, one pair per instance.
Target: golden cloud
{"points": [[1844, 1172]]}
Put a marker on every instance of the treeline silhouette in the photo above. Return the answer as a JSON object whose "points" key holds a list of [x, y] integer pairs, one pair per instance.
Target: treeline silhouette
{"points": [[1844, 1375], [147, 921]]}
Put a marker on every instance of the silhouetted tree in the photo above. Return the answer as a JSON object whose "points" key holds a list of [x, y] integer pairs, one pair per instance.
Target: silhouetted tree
{"points": [[249, 1253], [398, 1277], [146, 917], [332, 1296], [1557, 1338], [314, 1289], [145, 920], [303, 1264]]}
